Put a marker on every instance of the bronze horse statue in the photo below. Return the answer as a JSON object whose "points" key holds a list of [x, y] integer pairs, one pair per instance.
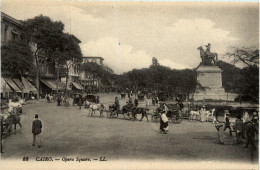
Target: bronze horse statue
{"points": [[204, 56]]}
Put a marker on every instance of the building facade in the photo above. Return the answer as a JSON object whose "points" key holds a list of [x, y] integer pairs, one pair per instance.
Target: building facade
{"points": [[88, 79], [13, 84]]}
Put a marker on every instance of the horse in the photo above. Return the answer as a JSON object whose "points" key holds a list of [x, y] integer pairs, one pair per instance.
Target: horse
{"points": [[193, 114], [100, 107], [8, 120], [203, 55], [139, 110], [14, 106]]}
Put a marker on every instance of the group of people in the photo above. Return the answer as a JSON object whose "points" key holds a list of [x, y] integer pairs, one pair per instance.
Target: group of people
{"points": [[155, 100], [244, 128]]}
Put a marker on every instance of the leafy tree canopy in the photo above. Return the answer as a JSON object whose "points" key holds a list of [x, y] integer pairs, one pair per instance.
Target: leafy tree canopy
{"points": [[17, 57]]}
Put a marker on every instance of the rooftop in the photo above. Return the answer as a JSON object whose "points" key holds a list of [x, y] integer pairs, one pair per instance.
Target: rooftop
{"points": [[93, 57], [11, 19]]}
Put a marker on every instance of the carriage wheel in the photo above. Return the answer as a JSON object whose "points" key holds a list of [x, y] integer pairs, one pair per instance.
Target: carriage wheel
{"points": [[175, 120], [114, 114], [5, 133], [129, 115], [155, 118]]}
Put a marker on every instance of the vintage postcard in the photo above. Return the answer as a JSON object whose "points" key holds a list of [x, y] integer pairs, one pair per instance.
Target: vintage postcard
{"points": [[129, 85]]}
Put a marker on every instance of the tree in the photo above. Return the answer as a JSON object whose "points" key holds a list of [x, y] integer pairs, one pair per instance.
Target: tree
{"points": [[248, 83], [68, 53], [44, 35], [17, 57], [248, 56]]}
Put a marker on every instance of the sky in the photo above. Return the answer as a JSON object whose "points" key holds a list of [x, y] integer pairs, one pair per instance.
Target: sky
{"points": [[128, 34]]}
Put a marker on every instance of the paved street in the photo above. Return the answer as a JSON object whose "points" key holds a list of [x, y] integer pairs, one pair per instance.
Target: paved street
{"points": [[70, 132]]}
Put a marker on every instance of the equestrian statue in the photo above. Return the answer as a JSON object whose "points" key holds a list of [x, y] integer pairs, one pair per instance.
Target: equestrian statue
{"points": [[207, 57]]}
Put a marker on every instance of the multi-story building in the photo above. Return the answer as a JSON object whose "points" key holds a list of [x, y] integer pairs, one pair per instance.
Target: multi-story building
{"points": [[88, 79], [12, 84], [94, 59], [12, 30]]}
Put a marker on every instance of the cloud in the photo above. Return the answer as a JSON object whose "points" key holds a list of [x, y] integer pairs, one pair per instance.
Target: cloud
{"points": [[142, 32], [119, 57], [186, 35], [176, 45]]}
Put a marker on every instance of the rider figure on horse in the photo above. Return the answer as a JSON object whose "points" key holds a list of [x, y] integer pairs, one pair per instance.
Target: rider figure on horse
{"points": [[208, 53]]}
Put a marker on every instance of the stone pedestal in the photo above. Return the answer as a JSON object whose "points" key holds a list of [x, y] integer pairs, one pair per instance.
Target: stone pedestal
{"points": [[210, 80]]}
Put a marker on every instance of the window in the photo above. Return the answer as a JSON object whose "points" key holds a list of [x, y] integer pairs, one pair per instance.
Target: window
{"points": [[5, 32], [14, 35]]}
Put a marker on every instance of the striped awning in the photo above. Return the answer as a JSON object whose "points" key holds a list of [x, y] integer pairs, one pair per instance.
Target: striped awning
{"points": [[28, 85], [4, 86], [21, 86], [12, 85], [77, 85], [52, 84]]}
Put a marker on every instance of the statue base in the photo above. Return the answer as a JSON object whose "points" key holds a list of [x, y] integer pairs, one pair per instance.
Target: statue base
{"points": [[210, 85]]}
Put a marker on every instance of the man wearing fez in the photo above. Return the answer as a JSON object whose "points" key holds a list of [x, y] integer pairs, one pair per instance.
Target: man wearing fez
{"points": [[36, 130]]}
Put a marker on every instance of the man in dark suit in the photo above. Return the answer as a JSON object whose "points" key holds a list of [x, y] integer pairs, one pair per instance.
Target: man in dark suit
{"points": [[36, 130]]}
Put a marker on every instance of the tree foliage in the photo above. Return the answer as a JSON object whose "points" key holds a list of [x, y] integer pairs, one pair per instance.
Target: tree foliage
{"points": [[248, 82], [248, 56], [97, 71], [17, 57], [44, 33]]}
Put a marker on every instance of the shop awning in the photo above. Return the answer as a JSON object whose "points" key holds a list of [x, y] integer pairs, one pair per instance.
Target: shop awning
{"points": [[52, 84], [21, 86], [78, 86], [12, 85], [4, 86], [28, 85]]}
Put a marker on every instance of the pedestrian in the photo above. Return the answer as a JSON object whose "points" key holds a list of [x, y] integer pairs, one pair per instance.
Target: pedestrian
{"points": [[250, 133], [202, 114], [157, 100], [245, 116], [59, 99], [80, 101], [239, 129], [117, 103], [213, 111], [130, 100], [36, 130], [136, 102], [164, 128], [227, 123], [153, 101], [220, 130], [48, 98], [245, 119], [146, 102]]}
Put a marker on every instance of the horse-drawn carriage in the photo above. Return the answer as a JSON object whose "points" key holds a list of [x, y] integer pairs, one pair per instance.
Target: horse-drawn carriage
{"points": [[125, 111], [10, 118], [174, 114], [129, 111]]}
